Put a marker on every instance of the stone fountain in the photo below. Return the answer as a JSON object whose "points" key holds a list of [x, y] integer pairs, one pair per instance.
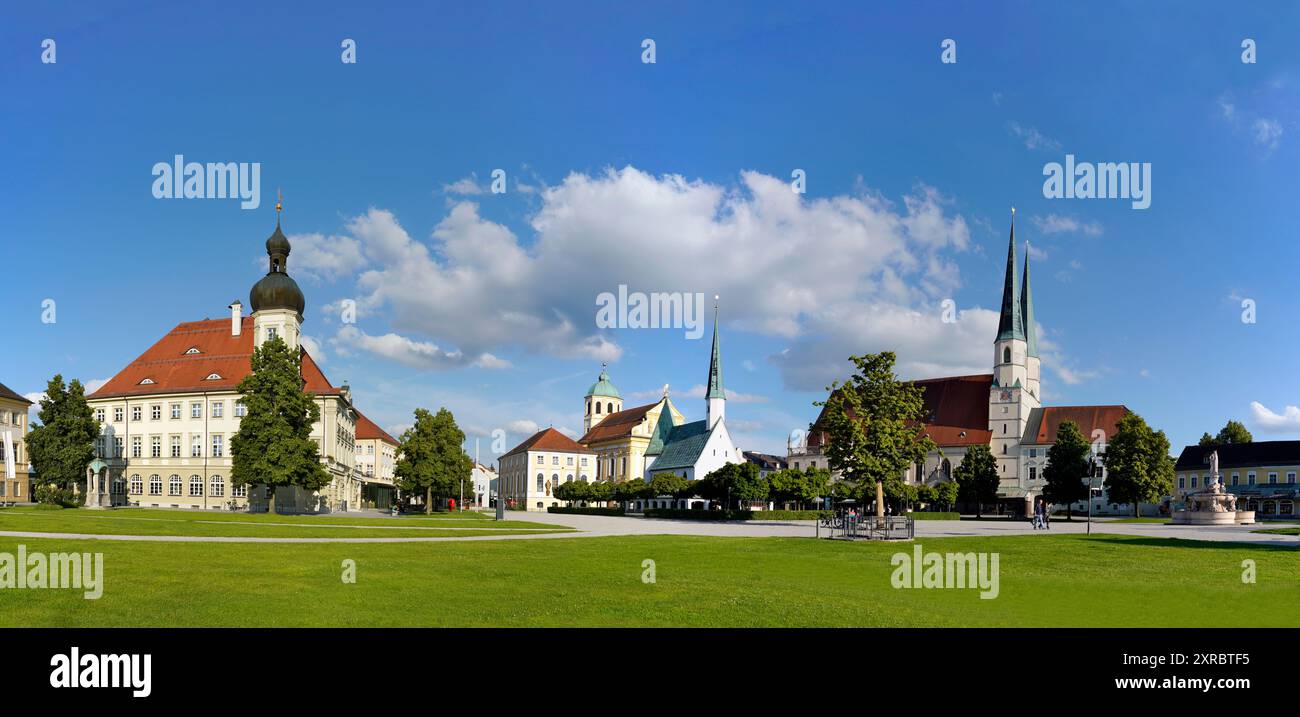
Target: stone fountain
{"points": [[1212, 506]]}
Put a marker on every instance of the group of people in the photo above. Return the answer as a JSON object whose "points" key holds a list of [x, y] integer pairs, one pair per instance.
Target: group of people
{"points": [[1042, 519]]}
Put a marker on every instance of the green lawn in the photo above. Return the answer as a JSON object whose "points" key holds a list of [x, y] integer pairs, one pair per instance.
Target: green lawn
{"points": [[1045, 580], [1279, 531], [154, 521]]}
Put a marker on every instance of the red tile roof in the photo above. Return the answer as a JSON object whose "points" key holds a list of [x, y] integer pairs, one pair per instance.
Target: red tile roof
{"points": [[956, 409], [367, 430], [617, 425], [6, 392], [549, 439], [1042, 428], [172, 370]]}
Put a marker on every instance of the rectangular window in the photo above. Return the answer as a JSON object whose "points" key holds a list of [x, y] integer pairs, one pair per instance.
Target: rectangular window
{"points": [[1033, 473], [135, 413], [99, 415], [219, 409], [1272, 478], [1193, 480], [217, 445], [196, 410], [117, 447], [176, 446], [569, 460], [270, 333], [1290, 477], [136, 446], [155, 446], [584, 461], [1182, 482], [239, 491], [240, 409], [196, 445], [1250, 478], [176, 411], [217, 488], [117, 414], [155, 412], [555, 460], [1236, 478], [540, 460]]}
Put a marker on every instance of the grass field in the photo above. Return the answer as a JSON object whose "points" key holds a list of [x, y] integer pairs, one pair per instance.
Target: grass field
{"points": [[1045, 580], [152, 521]]}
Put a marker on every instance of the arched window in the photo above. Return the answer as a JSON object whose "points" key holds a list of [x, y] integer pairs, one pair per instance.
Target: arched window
{"points": [[174, 485], [947, 469], [609, 407], [584, 477], [598, 408], [541, 482], [588, 406], [1006, 355], [568, 478], [196, 486], [137, 485], [1004, 449], [155, 484]]}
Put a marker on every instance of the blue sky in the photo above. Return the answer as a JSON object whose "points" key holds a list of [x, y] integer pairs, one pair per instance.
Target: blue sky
{"points": [[666, 177]]}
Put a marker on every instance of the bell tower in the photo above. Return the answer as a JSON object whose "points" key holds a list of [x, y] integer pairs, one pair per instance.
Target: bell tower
{"points": [[277, 301], [1014, 393], [601, 400]]}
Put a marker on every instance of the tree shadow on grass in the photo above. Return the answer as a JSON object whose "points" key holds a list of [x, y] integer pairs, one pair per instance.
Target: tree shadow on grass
{"points": [[1186, 543]]}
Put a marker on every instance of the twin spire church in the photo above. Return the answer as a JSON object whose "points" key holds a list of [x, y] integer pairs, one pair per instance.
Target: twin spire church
{"points": [[1002, 409]]}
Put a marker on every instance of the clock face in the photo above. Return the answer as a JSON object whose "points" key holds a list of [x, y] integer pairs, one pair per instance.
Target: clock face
{"points": [[1005, 396]]}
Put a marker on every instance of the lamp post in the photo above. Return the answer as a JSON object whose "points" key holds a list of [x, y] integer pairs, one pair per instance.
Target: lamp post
{"points": [[1092, 468]]}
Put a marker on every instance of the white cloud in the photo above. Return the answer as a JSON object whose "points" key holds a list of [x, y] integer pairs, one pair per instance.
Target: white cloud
{"points": [[696, 391], [467, 186], [417, 354], [833, 276], [317, 256], [1286, 422], [1061, 224], [1032, 138], [1268, 132], [314, 348]]}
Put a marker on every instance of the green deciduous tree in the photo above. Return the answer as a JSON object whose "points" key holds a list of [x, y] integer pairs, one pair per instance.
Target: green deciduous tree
{"points": [[63, 444], [874, 423], [432, 461], [273, 446], [630, 490], [669, 484], [1067, 467], [1232, 432], [1138, 466], [976, 477], [798, 487], [733, 483], [946, 493]]}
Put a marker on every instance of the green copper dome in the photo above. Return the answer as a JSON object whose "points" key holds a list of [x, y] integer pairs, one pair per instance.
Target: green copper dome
{"points": [[602, 387]]}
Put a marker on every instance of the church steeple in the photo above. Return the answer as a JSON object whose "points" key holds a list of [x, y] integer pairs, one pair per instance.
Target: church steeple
{"points": [[1027, 310], [716, 395], [1010, 325]]}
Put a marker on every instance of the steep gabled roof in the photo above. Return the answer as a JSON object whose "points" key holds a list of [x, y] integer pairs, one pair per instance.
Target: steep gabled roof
{"points": [[684, 446], [6, 392], [1045, 422], [956, 410], [222, 361], [368, 429], [765, 461], [549, 439], [617, 425]]}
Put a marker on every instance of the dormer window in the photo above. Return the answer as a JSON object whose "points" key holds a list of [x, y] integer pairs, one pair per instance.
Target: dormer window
{"points": [[146, 382], [193, 350], [213, 377]]}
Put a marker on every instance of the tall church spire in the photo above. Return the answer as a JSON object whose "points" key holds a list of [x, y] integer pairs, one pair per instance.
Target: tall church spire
{"points": [[1027, 309], [716, 397], [1010, 326]]}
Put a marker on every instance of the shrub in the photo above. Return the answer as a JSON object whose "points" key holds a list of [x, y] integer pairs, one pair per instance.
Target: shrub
{"points": [[680, 514], [51, 494], [935, 515]]}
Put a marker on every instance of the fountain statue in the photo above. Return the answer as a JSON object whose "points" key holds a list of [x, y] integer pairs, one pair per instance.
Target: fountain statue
{"points": [[1214, 505]]}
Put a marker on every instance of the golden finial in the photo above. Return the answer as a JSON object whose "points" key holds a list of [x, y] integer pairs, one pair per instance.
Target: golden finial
{"points": [[279, 201]]}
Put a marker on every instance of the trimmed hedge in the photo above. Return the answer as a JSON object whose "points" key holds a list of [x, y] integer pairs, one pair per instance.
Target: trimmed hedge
{"points": [[680, 514], [934, 515], [584, 511]]}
